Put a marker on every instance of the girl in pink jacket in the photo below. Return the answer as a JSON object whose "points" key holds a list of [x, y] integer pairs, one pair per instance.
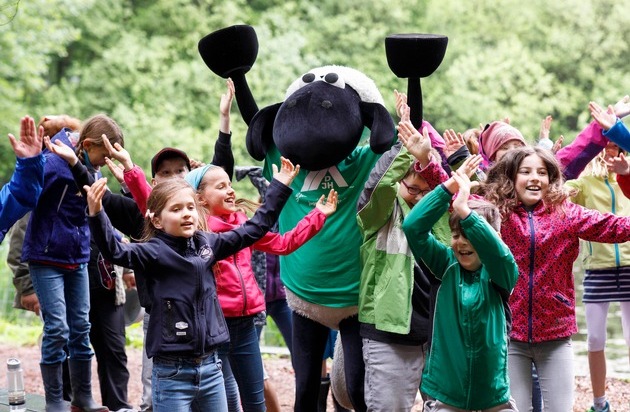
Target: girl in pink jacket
{"points": [[238, 292], [542, 229]]}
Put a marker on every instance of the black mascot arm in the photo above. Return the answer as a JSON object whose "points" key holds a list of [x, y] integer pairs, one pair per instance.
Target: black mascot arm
{"points": [[244, 98], [260, 131], [381, 125]]}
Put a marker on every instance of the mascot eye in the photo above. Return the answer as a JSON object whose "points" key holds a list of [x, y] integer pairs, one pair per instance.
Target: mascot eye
{"points": [[308, 78], [331, 77]]}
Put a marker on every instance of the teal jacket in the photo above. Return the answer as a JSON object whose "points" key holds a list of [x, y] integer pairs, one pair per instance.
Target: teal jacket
{"points": [[467, 364]]}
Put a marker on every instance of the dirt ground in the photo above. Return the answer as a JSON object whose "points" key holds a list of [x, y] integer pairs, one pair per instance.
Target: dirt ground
{"points": [[281, 375]]}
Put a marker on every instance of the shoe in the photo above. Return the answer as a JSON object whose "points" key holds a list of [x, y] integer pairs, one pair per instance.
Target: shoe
{"points": [[606, 408]]}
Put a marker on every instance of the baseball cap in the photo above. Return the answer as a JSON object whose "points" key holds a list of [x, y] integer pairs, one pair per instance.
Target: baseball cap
{"points": [[167, 153]]}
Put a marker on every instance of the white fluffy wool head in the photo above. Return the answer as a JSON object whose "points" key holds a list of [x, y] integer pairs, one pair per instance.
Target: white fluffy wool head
{"points": [[363, 85]]}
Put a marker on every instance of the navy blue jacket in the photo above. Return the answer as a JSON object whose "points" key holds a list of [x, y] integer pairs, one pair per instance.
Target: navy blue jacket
{"points": [[58, 230], [186, 318]]}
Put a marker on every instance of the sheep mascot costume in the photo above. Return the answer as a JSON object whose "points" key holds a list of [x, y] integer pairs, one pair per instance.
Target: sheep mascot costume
{"points": [[326, 115]]}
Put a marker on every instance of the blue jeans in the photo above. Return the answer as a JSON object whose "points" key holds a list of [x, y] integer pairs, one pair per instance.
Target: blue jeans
{"points": [[281, 314], [243, 364], [184, 384], [64, 299]]}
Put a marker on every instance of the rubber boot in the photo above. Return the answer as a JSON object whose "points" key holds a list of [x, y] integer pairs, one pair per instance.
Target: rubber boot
{"points": [[322, 400], [81, 378], [53, 387]]}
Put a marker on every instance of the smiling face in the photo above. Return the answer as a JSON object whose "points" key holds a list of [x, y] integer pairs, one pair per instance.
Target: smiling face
{"points": [[465, 253], [413, 188], [179, 217], [532, 180], [216, 194]]}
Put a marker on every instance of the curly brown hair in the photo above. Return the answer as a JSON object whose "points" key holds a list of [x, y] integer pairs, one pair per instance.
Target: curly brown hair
{"points": [[499, 185]]}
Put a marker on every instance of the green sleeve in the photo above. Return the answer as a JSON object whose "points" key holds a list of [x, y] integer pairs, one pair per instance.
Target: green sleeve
{"points": [[417, 227], [493, 253]]}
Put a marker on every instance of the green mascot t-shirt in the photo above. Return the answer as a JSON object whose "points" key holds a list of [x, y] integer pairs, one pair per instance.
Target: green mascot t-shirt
{"points": [[326, 269]]}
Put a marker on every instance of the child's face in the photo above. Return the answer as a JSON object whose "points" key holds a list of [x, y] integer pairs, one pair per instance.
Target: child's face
{"points": [[612, 150], [506, 147], [97, 154], [170, 168], [413, 188], [180, 216], [217, 195], [532, 180], [464, 252]]}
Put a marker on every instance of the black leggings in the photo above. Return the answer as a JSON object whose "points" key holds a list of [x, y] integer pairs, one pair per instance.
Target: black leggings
{"points": [[309, 342]]}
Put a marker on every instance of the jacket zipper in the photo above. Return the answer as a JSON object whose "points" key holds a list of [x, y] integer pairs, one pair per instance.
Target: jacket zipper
{"points": [[169, 318], [240, 278], [613, 210], [532, 250]]}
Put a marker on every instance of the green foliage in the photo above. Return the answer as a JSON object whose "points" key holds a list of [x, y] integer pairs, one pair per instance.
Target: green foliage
{"points": [[137, 61]]}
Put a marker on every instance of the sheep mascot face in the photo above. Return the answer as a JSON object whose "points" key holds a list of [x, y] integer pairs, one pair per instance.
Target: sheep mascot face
{"points": [[325, 115]]}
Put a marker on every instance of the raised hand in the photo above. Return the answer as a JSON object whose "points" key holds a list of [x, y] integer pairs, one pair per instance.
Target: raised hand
{"points": [[454, 142], [419, 145], [30, 143], [460, 204], [95, 195], [224, 107], [119, 153], [557, 145], [619, 165], [195, 164], [605, 118], [402, 109], [622, 107], [545, 128], [116, 169], [61, 150], [328, 205], [287, 171]]}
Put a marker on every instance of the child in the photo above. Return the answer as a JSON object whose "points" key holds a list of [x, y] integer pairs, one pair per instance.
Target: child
{"points": [[237, 289], [543, 230], [57, 247], [187, 324], [394, 293], [478, 273], [22, 192], [607, 266]]}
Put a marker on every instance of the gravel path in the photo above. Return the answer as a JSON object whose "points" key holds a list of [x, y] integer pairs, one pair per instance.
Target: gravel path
{"points": [[281, 375]]}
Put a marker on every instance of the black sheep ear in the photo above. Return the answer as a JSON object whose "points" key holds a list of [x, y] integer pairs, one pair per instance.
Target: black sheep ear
{"points": [[260, 132], [381, 125]]}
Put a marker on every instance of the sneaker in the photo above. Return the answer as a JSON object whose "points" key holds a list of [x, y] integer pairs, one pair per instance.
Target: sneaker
{"points": [[606, 408]]}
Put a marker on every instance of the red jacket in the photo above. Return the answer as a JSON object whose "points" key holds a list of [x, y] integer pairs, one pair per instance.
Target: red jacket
{"points": [[545, 245], [239, 294]]}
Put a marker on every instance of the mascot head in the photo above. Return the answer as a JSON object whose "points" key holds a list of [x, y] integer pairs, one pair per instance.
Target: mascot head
{"points": [[322, 119]]}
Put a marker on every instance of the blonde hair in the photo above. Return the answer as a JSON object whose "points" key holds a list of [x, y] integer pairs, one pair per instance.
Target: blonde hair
{"points": [[161, 194]]}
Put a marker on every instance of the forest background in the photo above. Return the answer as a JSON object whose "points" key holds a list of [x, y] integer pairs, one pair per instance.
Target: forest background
{"points": [[137, 61]]}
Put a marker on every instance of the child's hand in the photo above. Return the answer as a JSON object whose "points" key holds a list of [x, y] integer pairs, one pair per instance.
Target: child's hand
{"points": [[61, 150], [224, 107], [622, 107], [328, 205], [468, 168], [287, 172], [119, 153], [557, 145], [454, 142], [460, 204], [605, 118], [402, 109], [418, 145], [619, 165], [30, 143], [545, 128], [117, 170], [95, 195]]}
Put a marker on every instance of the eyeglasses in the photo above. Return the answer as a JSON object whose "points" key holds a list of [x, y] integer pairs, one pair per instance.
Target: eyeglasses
{"points": [[415, 191]]}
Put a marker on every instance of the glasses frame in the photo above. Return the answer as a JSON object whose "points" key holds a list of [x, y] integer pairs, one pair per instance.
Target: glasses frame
{"points": [[415, 191]]}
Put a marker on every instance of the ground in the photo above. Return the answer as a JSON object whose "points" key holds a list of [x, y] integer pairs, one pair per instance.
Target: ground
{"points": [[281, 375]]}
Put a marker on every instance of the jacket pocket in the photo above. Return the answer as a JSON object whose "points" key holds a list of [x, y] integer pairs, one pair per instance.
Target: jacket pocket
{"points": [[562, 299], [216, 321], [177, 321]]}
